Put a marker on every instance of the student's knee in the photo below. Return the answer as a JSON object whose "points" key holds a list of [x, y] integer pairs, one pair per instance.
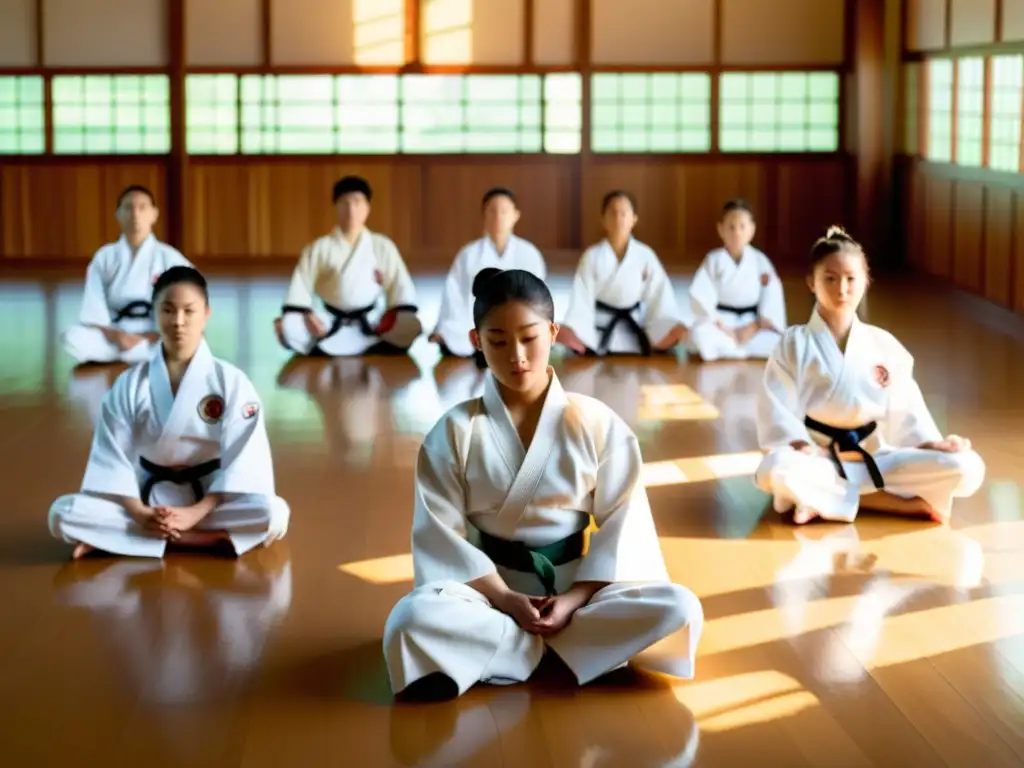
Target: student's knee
{"points": [[58, 514], [970, 468], [680, 606], [429, 608], [279, 515], [771, 462]]}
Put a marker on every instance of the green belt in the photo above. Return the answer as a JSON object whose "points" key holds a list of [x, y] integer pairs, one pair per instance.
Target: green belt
{"points": [[540, 561]]}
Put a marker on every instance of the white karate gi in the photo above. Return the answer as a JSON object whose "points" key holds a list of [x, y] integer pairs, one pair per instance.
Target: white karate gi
{"points": [[473, 476], [751, 285], [637, 285], [456, 317], [216, 414], [175, 662], [809, 376], [114, 280], [365, 281]]}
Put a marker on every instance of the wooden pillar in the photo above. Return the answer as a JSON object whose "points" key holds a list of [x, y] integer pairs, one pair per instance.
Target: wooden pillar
{"points": [[177, 166]]}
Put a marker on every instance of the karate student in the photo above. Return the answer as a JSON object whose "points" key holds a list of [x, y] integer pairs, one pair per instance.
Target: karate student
{"points": [[736, 295], [506, 486], [841, 417], [180, 453], [369, 298], [622, 301], [498, 248], [115, 323]]}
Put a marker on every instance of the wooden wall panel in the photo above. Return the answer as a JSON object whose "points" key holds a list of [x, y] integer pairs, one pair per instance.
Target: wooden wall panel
{"points": [[972, 22], [227, 33], [18, 33], [251, 208], [926, 25], [1013, 20], [802, 32], [652, 31], [679, 202], [337, 32], [67, 209], [120, 33], [429, 208], [472, 31], [966, 226], [554, 32]]}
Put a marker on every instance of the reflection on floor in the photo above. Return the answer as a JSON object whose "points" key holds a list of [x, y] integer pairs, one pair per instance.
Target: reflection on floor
{"points": [[889, 642]]}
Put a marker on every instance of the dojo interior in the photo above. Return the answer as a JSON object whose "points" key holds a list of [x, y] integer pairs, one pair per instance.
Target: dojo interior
{"points": [[886, 642]]}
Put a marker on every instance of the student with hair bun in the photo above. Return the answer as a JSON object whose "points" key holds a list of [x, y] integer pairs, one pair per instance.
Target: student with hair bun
{"points": [[841, 418], [507, 485]]}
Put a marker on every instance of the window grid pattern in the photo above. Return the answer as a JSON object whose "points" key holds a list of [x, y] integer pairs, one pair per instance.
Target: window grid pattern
{"points": [[940, 110], [111, 114], [651, 112], [211, 114], [388, 114], [779, 112], [22, 115], [970, 109], [1005, 121]]}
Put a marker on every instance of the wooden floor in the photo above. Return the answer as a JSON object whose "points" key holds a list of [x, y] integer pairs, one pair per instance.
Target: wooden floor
{"points": [[888, 642]]}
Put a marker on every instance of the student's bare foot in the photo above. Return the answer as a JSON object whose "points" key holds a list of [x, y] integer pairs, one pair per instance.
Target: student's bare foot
{"points": [[803, 515], [81, 550]]}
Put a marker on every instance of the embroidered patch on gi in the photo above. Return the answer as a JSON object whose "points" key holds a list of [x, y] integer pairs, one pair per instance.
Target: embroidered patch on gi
{"points": [[646, 275], [882, 375], [211, 409], [765, 279], [249, 410], [378, 277]]}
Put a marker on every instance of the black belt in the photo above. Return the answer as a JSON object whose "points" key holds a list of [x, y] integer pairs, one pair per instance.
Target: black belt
{"points": [[849, 440], [341, 317], [621, 315], [135, 310], [190, 475], [737, 310], [540, 561]]}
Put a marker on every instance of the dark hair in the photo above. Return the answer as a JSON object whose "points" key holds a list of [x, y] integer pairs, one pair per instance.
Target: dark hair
{"points": [[133, 189], [350, 184], [179, 276], [617, 194], [737, 204], [493, 288], [494, 192], [835, 240]]}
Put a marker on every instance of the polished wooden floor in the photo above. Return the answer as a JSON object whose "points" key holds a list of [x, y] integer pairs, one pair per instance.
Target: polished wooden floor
{"points": [[889, 642]]}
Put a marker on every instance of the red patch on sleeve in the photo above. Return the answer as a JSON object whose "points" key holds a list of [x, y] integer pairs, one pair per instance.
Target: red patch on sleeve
{"points": [[882, 375], [765, 279], [378, 277]]}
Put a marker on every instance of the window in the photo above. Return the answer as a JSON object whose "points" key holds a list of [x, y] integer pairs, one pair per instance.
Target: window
{"points": [[1007, 91], [779, 112], [211, 114], [471, 113], [970, 104], [651, 112], [387, 114], [111, 114], [940, 110], [22, 116], [563, 113]]}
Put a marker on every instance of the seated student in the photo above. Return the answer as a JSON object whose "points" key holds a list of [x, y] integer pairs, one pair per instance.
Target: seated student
{"points": [[498, 248], [350, 269], [841, 417], [116, 321], [506, 487], [180, 453], [622, 301], [736, 295]]}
